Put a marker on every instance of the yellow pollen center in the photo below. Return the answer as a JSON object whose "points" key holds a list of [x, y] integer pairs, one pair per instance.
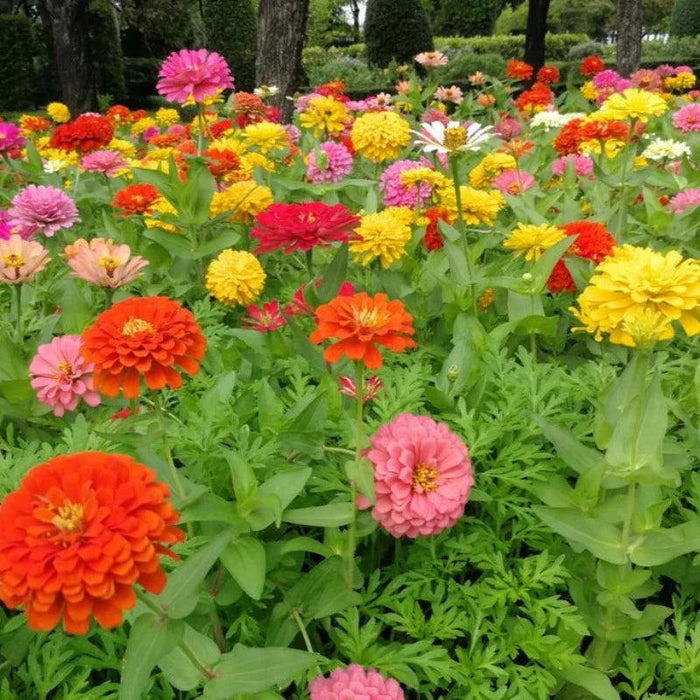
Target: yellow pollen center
{"points": [[69, 518], [110, 264], [14, 260], [137, 325], [455, 136], [64, 371], [424, 478], [368, 318]]}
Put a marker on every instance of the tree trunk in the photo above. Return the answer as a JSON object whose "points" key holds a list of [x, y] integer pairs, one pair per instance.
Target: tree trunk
{"points": [[281, 32], [67, 23], [536, 32], [356, 20], [629, 36]]}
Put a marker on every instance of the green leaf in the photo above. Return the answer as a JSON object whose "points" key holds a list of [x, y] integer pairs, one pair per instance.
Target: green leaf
{"points": [[363, 475], [180, 596], [286, 485], [244, 559], [592, 680], [227, 239], [544, 266], [579, 457], [665, 545], [270, 408], [247, 670], [306, 349], [522, 306], [177, 668], [150, 639], [598, 537], [175, 243], [335, 275], [331, 515]]}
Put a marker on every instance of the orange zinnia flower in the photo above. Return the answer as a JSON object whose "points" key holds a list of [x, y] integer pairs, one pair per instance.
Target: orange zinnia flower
{"points": [[146, 336], [76, 536], [135, 199], [360, 323]]}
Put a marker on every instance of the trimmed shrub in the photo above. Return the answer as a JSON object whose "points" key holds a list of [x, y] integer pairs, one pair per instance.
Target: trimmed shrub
{"points": [[464, 63], [354, 72], [467, 17], [17, 76], [105, 50], [585, 48], [685, 18], [396, 29], [231, 30], [558, 45]]}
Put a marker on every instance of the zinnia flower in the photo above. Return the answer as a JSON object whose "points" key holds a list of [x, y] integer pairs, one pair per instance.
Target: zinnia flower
{"points": [[687, 118], [591, 65], [548, 75], [302, 226], [640, 286], [89, 132], [431, 59], [266, 318], [41, 208], [235, 277], [370, 388], [583, 165], [135, 199], [324, 115], [633, 104], [422, 476], [355, 682], [532, 241], [61, 376], [21, 260], [298, 306], [519, 70], [78, 534], [382, 235], [433, 240], [193, 75], [478, 206], [451, 94], [687, 199], [266, 137], [360, 323], [110, 163], [58, 112], [243, 200], [482, 175], [143, 336], [103, 263], [11, 139], [380, 136], [514, 182], [396, 194], [328, 162], [451, 137]]}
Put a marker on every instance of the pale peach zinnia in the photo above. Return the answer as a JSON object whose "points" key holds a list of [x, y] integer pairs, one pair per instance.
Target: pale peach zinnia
{"points": [[103, 263], [21, 260], [431, 59], [449, 94]]}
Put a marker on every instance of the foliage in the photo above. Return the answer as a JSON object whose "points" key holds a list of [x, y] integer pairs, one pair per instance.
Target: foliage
{"points": [[148, 28], [585, 48], [465, 18], [464, 63], [354, 72], [685, 19], [231, 30], [105, 49], [396, 30], [16, 48], [140, 74]]}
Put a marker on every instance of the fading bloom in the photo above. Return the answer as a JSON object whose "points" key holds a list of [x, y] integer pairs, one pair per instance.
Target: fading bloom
{"points": [[687, 118], [380, 136], [476, 79], [40, 208], [422, 476], [687, 199], [103, 263], [21, 260], [235, 277], [78, 534], [61, 377], [355, 682], [266, 318], [382, 236], [193, 75], [110, 163], [370, 388], [450, 94], [451, 137], [514, 182], [532, 241], [328, 162], [431, 59]]}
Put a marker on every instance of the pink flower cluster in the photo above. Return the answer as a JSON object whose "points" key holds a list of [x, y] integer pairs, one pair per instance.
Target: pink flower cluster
{"points": [[396, 194], [106, 162], [355, 683], [514, 182], [687, 118], [583, 165], [40, 208], [11, 139], [193, 74], [687, 199], [329, 162]]}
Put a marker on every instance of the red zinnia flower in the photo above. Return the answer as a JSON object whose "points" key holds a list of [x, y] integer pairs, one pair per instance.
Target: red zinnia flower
{"points": [[135, 199], [265, 319], [218, 128], [118, 114], [303, 226], [548, 75], [335, 88], [433, 239], [76, 536], [89, 132], [360, 323], [569, 139], [592, 65], [300, 307], [519, 70], [143, 336], [33, 123], [221, 161], [538, 96]]}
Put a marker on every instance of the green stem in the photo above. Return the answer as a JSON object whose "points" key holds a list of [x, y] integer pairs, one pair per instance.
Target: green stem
{"points": [[18, 311], [533, 339], [158, 404], [77, 181], [305, 636], [310, 263], [339, 450], [623, 185], [359, 383], [454, 169], [200, 123], [109, 295]]}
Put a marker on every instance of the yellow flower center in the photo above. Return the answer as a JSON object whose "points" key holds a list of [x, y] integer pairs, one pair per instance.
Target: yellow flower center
{"points": [[64, 371], [69, 518], [455, 137], [369, 318], [424, 478], [137, 325], [14, 260], [110, 264]]}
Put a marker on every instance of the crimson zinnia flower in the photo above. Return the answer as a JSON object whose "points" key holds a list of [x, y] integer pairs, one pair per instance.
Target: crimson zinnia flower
{"points": [[592, 65], [78, 534], [89, 132], [360, 323], [135, 199], [143, 336], [303, 226]]}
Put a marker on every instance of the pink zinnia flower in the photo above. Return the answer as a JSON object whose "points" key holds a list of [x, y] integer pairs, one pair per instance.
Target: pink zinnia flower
{"points": [[685, 200], [354, 682], [396, 194], [434, 115], [666, 70], [5, 228], [583, 165], [21, 260], [606, 79], [431, 59], [422, 476], [451, 94], [11, 139], [370, 388], [687, 118], [514, 182], [328, 162], [647, 79], [264, 319], [508, 128], [402, 87], [61, 376], [101, 262], [623, 84], [193, 74], [42, 208], [106, 162]]}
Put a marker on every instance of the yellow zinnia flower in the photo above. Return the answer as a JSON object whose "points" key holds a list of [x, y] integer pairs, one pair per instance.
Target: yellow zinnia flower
{"points": [[235, 277], [244, 199], [589, 91], [532, 241], [682, 81], [167, 116], [266, 137], [383, 235], [416, 176], [58, 112], [123, 146], [633, 104], [632, 292], [324, 114], [478, 206], [489, 168], [139, 126], [380, 136]]}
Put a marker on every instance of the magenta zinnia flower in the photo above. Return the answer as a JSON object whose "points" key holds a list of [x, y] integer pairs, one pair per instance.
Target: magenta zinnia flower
{"points": [[193, 74], [107, 162], [302, 226], [606, 79], [5, 228], [687, 119], [328, 162], [61, 376], [422, 476], [355, 682], [41, 208], [684, 200], [583, 165], [11, 139], [396, 194]]}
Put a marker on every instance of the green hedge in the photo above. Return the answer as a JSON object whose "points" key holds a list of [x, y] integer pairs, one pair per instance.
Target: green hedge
{"points": [[105, 50], [685, 18], [396, 30], [17, 80]]}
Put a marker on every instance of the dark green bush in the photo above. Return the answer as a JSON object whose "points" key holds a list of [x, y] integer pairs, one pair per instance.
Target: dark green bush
{"points": [[105, 50], [467, 17], [685, 18], [585, 48], [231, 30], [141, 75], [17, 76], [463, 64], [396, 29]]}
